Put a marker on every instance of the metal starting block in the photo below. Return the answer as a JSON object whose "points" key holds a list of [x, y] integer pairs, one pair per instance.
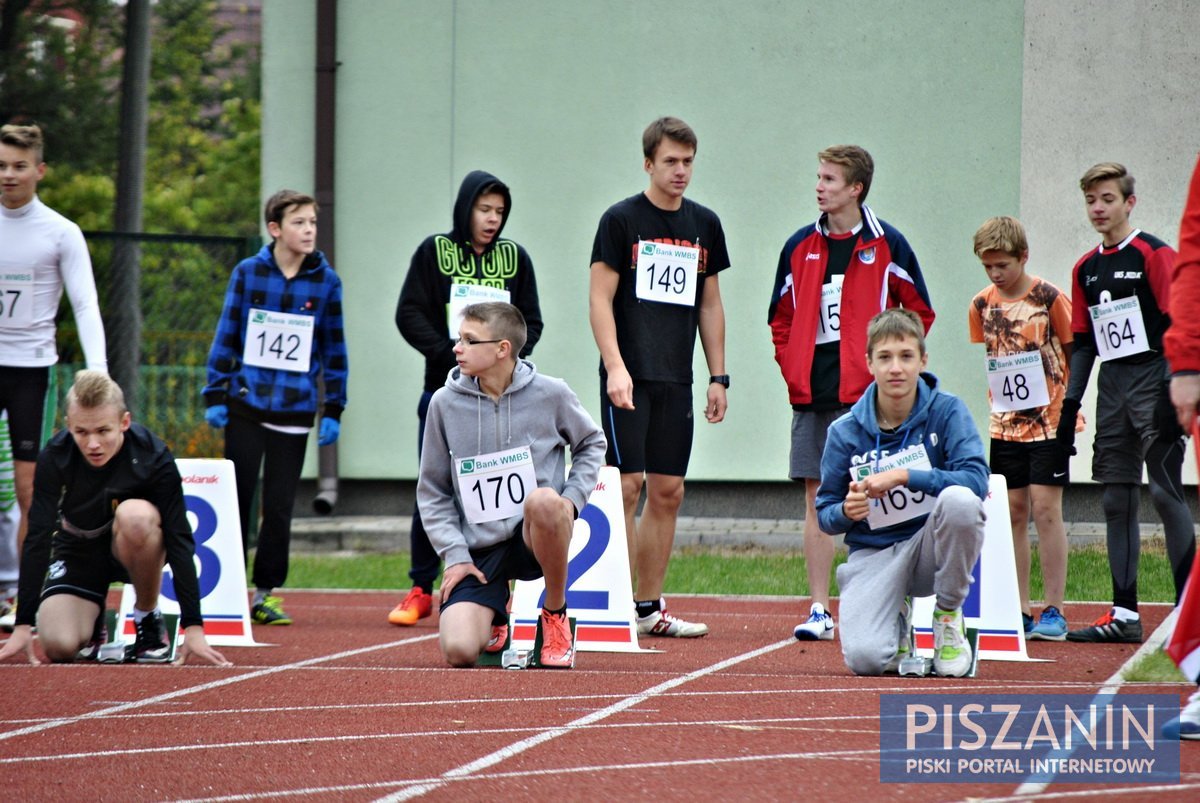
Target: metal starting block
{"points": [[117, 651], [513, 658], [920, 666]]}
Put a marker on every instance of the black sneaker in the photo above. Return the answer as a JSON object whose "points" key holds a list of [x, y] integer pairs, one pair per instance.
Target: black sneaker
{"points": [[151, 645], [91, 650], [1110, 630]]}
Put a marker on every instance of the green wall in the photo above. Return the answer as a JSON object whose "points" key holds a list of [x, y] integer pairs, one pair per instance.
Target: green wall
{"points": [[552, 97]]}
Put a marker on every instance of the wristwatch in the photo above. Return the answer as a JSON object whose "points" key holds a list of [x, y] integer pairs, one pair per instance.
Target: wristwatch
{"points": [[721, 379]]}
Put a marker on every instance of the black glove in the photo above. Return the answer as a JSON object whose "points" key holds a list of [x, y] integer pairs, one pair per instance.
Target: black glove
{"points": [[1065, 435]]}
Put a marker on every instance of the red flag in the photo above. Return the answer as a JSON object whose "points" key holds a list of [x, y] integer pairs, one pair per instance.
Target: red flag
{"points": [[1184, 646]]}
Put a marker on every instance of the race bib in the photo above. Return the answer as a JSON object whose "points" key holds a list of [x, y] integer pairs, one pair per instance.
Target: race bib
{"points": [[494, 486], [1119, 329], [278, 340], [900, 504], [464, 295], [16, 298], [829, 328], [1017, 381], [667, 273]]}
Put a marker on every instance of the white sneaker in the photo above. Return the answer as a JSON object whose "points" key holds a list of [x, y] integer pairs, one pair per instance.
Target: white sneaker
{"points": [[819, 625], [662, 623], [1187, 724], [951, 651], [8, 613]]}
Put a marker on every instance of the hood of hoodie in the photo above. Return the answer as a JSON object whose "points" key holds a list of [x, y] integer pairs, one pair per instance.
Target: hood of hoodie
{"points": [[864, 409], [468, 386], [469, 191]]}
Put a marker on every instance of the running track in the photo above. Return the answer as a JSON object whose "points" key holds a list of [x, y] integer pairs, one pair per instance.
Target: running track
{"points": [[347, 707]]}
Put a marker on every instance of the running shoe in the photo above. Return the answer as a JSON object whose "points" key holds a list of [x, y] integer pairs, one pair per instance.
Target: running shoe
{"points": [[91, 650], [417, 605], [1028, 622], [1187, 724], [498, 640], [1109, 629], [150, 646], [1051, 626], [663, 623], [558, 648], [270, 611], [951, 651], [819, 625], [905, 642], [8, 613]]}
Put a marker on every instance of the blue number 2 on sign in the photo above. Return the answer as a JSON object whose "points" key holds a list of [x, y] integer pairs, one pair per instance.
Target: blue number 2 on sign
{"points": [[210, 563], [597, 542]]}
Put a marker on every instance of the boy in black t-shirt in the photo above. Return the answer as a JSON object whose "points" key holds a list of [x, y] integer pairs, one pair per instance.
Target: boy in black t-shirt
{"points": [[653, 287], [1119, 301]]}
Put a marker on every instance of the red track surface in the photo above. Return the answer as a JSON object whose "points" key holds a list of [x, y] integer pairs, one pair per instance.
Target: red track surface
{"points": [[347, 707]]}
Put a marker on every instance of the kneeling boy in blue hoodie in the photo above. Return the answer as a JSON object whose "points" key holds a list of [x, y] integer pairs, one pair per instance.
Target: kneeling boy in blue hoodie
{"points": [[904, 476], [494, 493]]}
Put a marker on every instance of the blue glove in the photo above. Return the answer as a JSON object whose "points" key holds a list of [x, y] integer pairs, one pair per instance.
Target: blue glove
{"points": [[329, 431], [217, 416]]}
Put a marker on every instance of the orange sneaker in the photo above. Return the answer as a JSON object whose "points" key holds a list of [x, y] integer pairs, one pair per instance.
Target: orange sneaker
{"points": [[558, 648], [417, 605], [498, 640]]}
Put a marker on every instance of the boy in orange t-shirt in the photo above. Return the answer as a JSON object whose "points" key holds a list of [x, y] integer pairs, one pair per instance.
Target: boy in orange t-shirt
{"points": [[1025, 323]]}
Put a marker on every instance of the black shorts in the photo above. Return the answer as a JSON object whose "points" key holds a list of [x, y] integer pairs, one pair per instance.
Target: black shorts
{"points": [[655, 436], [509, 560], [23, 395], [1024, 463], [1129, 399], [83, 567]]}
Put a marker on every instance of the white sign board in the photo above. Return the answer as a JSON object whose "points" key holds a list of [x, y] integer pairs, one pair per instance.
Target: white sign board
{"points": [[599, 587]]}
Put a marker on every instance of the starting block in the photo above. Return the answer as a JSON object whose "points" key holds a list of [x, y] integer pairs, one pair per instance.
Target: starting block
{"points": [[117, 651], [921, 666], [520, 658]]}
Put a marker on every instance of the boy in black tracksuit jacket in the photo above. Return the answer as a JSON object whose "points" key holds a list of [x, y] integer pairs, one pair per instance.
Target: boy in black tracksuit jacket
{"points": [[470, 263]]}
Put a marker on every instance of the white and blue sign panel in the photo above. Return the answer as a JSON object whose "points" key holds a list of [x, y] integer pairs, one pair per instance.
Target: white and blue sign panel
{"points": [[993, 605], [212, 508], [599, 588]]}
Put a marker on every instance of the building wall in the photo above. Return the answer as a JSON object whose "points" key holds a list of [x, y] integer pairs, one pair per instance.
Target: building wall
{"points": [[970, 109]]}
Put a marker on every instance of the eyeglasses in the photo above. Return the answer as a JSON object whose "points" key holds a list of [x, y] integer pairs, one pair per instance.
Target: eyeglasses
{"points": [[466, 341]]}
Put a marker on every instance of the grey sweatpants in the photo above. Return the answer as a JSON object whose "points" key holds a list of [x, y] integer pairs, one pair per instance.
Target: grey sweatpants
{"points": [[937, 559]]}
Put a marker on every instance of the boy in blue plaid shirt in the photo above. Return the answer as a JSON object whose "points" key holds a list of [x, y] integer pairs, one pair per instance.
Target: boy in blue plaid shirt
{"points": [[281, 325]]}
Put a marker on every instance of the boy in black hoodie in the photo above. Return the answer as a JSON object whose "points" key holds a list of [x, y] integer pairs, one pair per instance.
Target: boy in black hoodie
{"points": [[469, 264]]}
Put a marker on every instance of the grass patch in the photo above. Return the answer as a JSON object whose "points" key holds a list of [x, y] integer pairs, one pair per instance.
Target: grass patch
{"points": [[739, 571], [1154, 667]]}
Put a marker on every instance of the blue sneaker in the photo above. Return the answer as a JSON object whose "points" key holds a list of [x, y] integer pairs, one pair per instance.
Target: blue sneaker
{"points": [[1027, 622], [1187, 724], [1051, 626]]}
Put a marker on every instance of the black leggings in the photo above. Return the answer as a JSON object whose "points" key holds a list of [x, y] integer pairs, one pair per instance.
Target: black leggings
{"points": [[1164, 465], [281, 456]]}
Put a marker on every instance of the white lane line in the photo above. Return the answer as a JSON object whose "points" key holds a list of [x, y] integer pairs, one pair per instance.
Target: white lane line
{"points": [[866, 755], [517, 748], [216, 684], [1110, 687]]}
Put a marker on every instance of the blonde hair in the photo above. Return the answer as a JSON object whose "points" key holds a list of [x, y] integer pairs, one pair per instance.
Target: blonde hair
{"points": [[92, 389], [1002, 233], [25, 137], [1106, 171]]}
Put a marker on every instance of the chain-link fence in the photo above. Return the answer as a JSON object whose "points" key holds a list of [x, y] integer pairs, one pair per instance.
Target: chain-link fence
{"points": [[157, 347]]}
